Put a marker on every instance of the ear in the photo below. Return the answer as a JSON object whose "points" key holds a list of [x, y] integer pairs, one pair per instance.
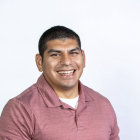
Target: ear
{"points": [[83, 54], [38, 59]]}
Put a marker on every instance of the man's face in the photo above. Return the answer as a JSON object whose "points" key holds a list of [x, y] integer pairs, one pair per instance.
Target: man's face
{"points": [[63, 63]]}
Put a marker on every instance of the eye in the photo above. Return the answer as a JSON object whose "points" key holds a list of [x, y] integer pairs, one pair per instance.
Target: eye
{"points": [[55, 54], [74, 53]]}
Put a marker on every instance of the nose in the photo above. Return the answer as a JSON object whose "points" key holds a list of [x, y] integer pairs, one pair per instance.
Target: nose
{"points": [[65, 60]]}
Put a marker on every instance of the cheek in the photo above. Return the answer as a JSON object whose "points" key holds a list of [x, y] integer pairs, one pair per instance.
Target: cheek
{"points": [[49, 66], [80, 63]]}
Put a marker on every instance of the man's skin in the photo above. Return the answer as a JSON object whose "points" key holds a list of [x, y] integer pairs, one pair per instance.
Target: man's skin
{"points": [[62, 65]]}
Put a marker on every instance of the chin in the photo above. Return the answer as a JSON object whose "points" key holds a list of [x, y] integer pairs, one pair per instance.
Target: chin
{"points": [[68, 86]]}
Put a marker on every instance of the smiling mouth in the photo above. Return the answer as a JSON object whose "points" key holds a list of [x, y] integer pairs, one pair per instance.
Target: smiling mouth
{"points": [[66, 72]]}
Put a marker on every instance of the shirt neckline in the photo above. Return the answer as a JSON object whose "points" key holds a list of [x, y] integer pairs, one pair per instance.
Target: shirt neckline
{"points": [[51, 99]]}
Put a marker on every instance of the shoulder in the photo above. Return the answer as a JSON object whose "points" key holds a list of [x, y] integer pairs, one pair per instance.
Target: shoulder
{"points": [[100, 101], [102, 105], [96, 96], [28, 96], [23, 104], [17, 114]]}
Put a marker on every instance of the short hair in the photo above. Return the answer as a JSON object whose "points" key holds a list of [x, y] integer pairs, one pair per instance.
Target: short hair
{"points": [[56, 32]]}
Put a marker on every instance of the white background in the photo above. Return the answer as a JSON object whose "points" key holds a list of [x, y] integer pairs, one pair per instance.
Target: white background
{"points": [[110, 35]]}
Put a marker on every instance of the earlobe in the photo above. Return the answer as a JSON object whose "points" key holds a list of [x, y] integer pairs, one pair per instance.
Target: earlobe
{"points": [[38, 60]]}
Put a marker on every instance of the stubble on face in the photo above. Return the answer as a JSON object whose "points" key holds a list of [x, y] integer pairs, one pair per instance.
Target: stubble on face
{"points": [[63, 64]]}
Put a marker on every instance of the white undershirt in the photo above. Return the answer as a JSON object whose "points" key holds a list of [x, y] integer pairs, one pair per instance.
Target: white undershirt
{"points": [[72, 102]]}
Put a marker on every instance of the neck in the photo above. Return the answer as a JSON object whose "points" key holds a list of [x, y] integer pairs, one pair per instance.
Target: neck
{"points": [[65, 92], [69, 94]]}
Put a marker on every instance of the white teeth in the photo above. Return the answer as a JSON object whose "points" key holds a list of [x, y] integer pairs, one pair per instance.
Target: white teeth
{"points": [[66, 72]]}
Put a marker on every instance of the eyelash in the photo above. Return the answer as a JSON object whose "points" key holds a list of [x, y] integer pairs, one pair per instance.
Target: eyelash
{"points": [[55, 54], [74, 53]]}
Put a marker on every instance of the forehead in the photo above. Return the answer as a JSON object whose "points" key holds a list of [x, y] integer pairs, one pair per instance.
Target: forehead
{"points": [[64, 43]]}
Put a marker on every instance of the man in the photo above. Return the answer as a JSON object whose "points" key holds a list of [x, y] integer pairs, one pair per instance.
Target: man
{"points": [[59, 106]]}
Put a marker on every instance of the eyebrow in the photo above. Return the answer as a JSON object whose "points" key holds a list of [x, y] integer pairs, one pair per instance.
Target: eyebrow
{"points": [[58, 51], [75, 49], [53, 50]]}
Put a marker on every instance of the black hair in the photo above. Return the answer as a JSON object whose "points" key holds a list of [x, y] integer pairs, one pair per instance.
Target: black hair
{"points": [[56, 32]]}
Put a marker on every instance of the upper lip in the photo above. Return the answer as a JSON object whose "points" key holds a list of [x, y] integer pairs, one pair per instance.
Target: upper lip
{"points": [[66, 70]]}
